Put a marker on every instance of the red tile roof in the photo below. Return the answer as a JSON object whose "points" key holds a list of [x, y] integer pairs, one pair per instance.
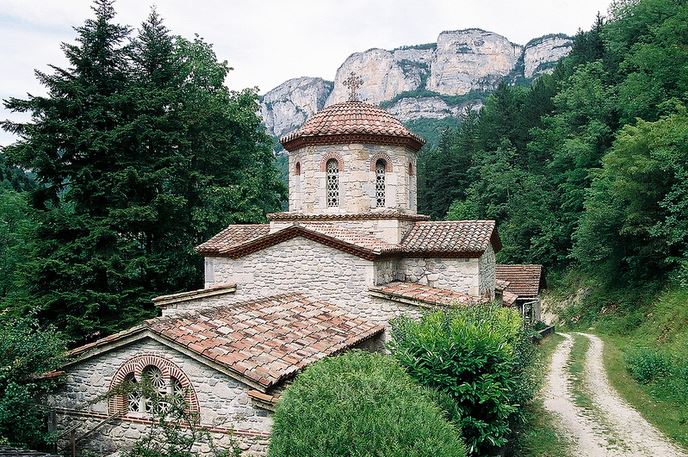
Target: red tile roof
{"points": [[524, 280], [264, 341], [352, 122], [424, 294], [234, 235], [461, 238], [426, 239]]}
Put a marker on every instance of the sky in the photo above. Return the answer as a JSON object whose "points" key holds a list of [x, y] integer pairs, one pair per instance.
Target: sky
{"points": [[270, 41]]}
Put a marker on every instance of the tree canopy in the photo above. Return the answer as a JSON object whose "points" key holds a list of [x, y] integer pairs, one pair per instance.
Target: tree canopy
{"points": [[140, 152]]}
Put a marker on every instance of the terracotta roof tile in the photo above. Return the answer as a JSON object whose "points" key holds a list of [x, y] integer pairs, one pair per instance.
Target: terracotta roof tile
{"points": [[426, 238], [264, 340], [425, 294], [352, 122], [234, 235], [469, 238], [524, 280]]}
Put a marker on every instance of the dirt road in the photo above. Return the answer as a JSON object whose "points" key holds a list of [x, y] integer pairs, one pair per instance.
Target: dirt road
{"points": [[606, 426]]}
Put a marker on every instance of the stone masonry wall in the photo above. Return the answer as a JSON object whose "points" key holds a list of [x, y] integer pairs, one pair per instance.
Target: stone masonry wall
{"points": [[460, 275], [301, 265], [223, 402], [307, 191]]}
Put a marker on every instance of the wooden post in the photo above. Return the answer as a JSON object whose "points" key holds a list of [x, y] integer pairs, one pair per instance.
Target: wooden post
{"points": [[72, 440]]}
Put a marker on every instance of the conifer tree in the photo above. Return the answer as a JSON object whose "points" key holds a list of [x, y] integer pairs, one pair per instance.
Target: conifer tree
{"points": [[140, 152]]}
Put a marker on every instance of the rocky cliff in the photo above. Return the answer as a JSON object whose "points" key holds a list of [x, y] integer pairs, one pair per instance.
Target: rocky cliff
{"points": [[432, 81]]}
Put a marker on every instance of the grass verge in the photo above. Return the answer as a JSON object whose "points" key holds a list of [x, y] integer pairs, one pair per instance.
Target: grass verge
{"points": [[539, 435], [664, 412]]}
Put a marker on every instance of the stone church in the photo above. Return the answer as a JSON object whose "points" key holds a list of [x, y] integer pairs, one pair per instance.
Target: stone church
{"points": [[328, 275]]}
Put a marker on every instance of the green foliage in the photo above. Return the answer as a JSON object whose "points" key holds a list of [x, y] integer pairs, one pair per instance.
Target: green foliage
{"points": [[17, 231], [26, 352], [587, 165], [360, 404], [646, 365], [140, 153], [481, 357]]}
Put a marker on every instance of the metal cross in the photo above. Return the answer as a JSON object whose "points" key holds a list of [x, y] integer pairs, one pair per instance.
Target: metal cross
{"points": [[353, 82]]}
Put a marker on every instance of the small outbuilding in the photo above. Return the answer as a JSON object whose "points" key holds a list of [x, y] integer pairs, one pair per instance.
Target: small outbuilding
{"points": [[520, 285]]}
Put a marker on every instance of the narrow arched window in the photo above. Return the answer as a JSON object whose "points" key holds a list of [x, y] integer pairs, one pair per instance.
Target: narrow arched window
{"points": [[332, 171], [380, 167], [297, 168], [133, 396], [410, 169], [153, 376]]}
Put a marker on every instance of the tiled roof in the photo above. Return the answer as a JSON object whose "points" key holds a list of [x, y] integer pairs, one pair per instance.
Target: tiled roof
{"points": [[352, 122], [461, 238], [233, 235], [501, 285], [265, 340], [509, 298], [524, 280], [409, 291], [426, 238]]}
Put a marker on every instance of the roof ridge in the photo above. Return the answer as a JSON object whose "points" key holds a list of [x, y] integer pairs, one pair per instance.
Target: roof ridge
{"points": [[215, 308]]}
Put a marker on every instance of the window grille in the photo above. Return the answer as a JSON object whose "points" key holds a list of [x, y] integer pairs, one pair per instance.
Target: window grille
{"points": [[380, 166], [133, 397], [332, 170]]}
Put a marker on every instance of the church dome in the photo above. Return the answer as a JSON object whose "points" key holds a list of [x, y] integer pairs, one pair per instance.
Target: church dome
{"points": [[352, 122]]}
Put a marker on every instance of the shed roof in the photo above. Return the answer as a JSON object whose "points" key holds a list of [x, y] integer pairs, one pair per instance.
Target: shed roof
{"points": [[524, 280]]}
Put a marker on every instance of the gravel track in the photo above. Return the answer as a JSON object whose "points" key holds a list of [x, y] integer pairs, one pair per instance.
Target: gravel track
{"points": [[611, 427]]}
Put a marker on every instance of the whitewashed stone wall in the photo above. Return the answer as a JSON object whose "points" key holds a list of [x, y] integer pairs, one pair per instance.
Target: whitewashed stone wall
{"points": [[460, 275], [307, 192], [223, 402], [487, 271]]}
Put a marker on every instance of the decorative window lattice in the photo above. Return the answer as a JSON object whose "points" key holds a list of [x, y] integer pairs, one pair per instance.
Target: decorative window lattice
{"points": [[380, 166], [332, 170], [133, 397], [154, 377]]}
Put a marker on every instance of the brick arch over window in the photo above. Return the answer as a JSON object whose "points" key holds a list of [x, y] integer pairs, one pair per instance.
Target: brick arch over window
{"points": [[329, 156], [135, 367], [381, 155]]}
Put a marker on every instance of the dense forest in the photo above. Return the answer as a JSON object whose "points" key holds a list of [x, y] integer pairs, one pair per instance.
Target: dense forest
{"points": [[586, 168], [137, 153]]}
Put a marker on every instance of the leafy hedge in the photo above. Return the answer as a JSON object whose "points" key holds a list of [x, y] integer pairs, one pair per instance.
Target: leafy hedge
{"points": [[481, 357], [360, 404]]}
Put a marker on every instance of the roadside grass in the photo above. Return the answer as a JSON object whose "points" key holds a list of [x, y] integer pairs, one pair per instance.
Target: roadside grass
{"points": [[657, 401], [539, 436]]}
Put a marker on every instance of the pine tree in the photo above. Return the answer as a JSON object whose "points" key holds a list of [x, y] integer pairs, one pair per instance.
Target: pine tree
{"points": [[141, 153]]}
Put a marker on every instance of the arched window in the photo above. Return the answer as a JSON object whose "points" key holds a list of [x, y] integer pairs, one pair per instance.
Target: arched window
{"points": [[297, 169], [410, 169], [332, 171], [380, 167], [133, 397], [150, 383]]}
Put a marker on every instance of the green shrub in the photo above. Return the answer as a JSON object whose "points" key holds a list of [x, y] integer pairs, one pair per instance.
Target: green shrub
{"points": [[481, 357], [26, 352], [360, 404], [645, 364]]}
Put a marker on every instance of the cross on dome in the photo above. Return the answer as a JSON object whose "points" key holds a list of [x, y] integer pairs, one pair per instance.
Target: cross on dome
{"points": [[353, 82]]}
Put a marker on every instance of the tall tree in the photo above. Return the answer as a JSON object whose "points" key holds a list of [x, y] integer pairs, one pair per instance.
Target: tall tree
{"points": [[142, 153]]}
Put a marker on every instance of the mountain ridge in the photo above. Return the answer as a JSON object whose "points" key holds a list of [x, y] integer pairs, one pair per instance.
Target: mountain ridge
{"points": [[423, 81]]}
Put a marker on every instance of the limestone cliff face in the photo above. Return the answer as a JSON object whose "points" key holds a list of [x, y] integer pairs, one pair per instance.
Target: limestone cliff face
{"points": [[541, 54], [434, 80], [288, 105], [472, 59]]}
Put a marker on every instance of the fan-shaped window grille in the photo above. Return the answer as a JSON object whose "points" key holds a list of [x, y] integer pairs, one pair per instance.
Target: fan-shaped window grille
{"points": [[332, 171], [380, 167]]}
